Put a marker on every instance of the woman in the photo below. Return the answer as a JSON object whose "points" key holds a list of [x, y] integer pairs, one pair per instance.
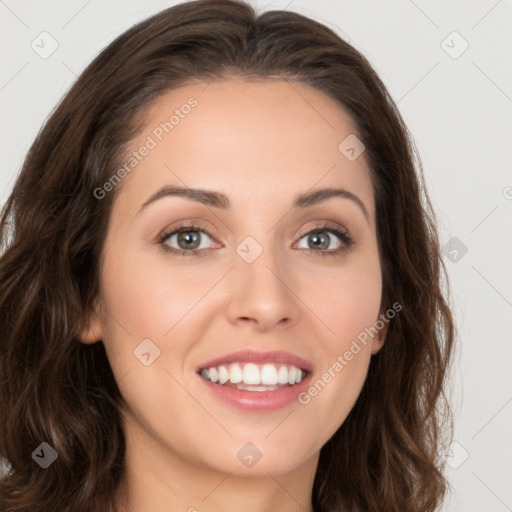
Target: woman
{"points": [[221, 282]]}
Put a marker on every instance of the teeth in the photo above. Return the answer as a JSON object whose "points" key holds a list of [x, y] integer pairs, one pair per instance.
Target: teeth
{"points": [[235, 373], [282, 376], [257, 388], [269, 375], [223, 375], [249, 375], [213, 374], [294, 376]]}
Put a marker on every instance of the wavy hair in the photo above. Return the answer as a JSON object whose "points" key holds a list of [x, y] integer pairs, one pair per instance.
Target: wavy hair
{"points": [[388, 454]]}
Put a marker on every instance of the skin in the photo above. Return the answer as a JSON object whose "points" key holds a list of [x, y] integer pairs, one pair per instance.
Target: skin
{"points": [[260, 143]]}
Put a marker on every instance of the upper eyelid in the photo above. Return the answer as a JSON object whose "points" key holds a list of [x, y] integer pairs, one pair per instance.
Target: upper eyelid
{"points": [[191, 225]]}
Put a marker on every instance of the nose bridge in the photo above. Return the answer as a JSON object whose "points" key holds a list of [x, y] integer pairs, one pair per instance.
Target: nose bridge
{"points": [[258, 261], [262, 291]]}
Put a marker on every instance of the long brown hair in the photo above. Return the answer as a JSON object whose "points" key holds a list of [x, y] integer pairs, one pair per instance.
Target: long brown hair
{"points": [[387, 455]]}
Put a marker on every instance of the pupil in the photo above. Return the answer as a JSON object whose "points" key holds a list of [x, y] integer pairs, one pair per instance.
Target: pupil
{"points": [[314, 239], [188, 236]]}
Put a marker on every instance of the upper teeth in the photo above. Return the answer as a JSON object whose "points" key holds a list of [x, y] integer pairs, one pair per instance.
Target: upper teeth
{"points": [[250, 373]]}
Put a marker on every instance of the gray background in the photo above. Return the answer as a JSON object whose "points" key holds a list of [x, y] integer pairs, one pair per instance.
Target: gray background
{"points": [[458, 107]]}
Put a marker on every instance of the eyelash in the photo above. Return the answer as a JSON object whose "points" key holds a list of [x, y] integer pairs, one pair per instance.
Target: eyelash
{"points": [[346, 239]]}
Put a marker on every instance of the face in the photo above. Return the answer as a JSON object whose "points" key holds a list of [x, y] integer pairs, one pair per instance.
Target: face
{"points": [[264, 274]]}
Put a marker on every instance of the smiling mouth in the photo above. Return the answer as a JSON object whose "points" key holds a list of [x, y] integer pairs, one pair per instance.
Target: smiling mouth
{"points": [[254, 377]]}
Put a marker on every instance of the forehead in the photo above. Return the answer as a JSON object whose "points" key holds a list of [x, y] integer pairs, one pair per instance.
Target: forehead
{"points": [[266, 140]]}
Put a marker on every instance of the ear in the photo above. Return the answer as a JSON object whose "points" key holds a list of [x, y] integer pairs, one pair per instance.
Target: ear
{"points": [[92, 332], [378, 341]]}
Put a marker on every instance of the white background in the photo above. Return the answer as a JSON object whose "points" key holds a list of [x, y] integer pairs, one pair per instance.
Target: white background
{"points": [[459, 111]]}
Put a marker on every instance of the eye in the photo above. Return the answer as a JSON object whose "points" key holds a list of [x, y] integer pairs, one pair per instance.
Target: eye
{"points": [[188, 238], [321, 237]]}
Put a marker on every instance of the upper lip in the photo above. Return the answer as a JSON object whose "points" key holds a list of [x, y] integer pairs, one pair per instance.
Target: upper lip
{"points": [[253, 356]]}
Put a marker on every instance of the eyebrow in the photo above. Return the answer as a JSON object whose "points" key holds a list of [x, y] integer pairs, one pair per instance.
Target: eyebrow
{"points": [[220, 200]]}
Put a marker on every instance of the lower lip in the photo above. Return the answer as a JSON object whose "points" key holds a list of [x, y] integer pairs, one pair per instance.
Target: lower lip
{"points": [[258, 400]]}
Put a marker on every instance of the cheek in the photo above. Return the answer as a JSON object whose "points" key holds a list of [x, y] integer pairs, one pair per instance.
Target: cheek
{"points": [[348, 306], [147, 300], [346, 299]]}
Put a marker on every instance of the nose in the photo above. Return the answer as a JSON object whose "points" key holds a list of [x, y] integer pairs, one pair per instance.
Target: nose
{"points": [[262, 291]]}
